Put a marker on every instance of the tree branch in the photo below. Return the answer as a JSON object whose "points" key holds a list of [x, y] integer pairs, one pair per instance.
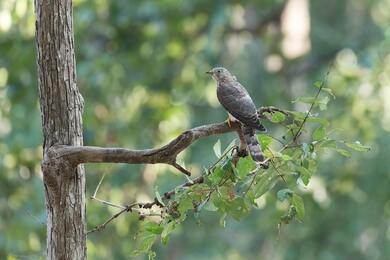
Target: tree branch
{"points": [[166, 154], [208, 130]]}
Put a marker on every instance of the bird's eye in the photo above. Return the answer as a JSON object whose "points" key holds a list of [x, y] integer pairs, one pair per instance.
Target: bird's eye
{"points": [[218, 71]]}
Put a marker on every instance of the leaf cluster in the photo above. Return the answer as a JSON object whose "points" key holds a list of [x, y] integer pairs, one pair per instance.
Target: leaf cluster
{"points": [[232, 188]]}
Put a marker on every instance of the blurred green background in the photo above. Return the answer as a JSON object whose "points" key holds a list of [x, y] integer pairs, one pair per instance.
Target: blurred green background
{"points": [[141, 67]]}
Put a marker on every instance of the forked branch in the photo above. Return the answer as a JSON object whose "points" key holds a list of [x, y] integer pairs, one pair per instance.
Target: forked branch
{"points": [[166, 154]]}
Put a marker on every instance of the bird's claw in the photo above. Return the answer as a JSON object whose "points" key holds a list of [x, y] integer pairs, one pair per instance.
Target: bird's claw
{"points": [[229, 122], [264, 164]]}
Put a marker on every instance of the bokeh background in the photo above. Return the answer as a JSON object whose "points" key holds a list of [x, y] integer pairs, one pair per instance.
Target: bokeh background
{"points": [[141, 67]]}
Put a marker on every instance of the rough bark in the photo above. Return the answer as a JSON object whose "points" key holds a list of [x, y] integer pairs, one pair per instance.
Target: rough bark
{"points": [[61, 109]]}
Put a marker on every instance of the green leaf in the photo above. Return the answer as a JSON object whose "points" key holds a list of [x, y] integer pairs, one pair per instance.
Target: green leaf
{"points": [[297, 202], [152, 255], [292, 212], [147, 241], [276, 154], [217, 149], [152, 227], [306, 100], [237, 208], [216, 176], [265, 141], [286, 157], [323, 103], [222, 221], [331, 144], [244, 166], [297, 115], [305, 174], [197, 193], [318, 84], [343, 152], [329, 91], [319, 120], [158, 197], [278, 117], [319, 133], [185, 204], [268, 153], [357, 146], [210, 207], [168, 228], [263, 184], [219, 202], [228, 166], [284, 194], [328, 143], [201, 205], [228, 170]]}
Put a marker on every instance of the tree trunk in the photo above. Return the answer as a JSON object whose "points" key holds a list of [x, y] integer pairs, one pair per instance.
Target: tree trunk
{"points": [[61, 109]]}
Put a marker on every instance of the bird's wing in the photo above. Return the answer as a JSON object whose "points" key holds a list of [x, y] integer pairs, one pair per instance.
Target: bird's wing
{"points": [[236, 100]]}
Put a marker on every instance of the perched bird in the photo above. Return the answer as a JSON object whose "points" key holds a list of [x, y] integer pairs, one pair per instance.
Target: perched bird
{"points": [[236, 100]]}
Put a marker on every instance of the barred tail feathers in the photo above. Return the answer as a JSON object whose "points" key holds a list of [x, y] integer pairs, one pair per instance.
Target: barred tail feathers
{"points": [[253, 144]]}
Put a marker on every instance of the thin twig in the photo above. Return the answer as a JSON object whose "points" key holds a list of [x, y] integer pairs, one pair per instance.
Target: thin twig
{"points": [[279, 174], [166, 195], [103, 226], [221, 182], [108, 203], [180, 168], [312, 105], [210, 168], [98, 186], [277, 139], [250, 184], [103, 201]]}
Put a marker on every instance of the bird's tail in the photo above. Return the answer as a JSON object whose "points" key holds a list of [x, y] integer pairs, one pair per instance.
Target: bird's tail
{"points": [[253, 145]]}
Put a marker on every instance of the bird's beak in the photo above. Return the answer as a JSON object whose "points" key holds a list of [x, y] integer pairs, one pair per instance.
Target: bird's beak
{"points": [[209, 72]]}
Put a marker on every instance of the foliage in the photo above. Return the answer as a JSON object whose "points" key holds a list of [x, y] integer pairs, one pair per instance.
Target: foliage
{"points": [[231, 189]]}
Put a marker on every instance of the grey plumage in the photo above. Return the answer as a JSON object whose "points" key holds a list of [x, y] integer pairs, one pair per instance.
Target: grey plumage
{"points": [[253, 145], [236, 100]]}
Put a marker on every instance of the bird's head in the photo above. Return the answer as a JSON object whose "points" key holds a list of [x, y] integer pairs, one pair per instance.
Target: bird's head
{"points": [[221, 74]]}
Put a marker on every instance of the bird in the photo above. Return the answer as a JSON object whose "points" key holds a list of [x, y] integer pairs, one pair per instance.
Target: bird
{"points": [[240, 107]]}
